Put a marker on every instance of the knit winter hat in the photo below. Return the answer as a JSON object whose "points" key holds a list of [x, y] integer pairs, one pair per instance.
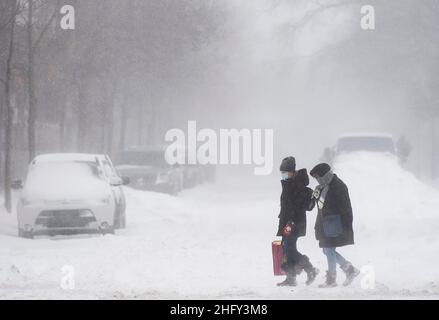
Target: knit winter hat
{"points": [[288, 164], [320, 170]]}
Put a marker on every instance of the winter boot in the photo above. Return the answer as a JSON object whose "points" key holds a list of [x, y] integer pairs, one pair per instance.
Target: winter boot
{"points": [[311, 275], [330, 280], [351, 273], [290, 281], [311, 272]]}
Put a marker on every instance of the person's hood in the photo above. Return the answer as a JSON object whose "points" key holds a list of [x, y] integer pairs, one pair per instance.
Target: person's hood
{"points": [[301, 177]]}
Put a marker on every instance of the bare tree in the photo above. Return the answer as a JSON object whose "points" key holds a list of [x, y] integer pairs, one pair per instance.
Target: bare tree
{"points": [[8, 111], [8, 12], [33, 41], [97, 81]]}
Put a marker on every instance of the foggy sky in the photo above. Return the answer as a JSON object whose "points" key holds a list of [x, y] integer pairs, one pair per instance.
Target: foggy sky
{"points": [[296, 81]]}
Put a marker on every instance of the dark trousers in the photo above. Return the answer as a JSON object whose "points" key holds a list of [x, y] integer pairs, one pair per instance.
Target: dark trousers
{"points": [[293, 256]]}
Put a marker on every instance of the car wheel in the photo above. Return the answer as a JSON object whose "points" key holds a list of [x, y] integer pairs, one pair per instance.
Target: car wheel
{"points": [[180, 184], [176, 187], [173, 190], [118, 220], [120, 217], [25, 234], [108, 231], [122, 221]]}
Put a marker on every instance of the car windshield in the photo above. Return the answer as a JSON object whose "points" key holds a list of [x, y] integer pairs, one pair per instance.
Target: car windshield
{"points": [[374, 144], [59, 170], [142, 158], [64, 180]]}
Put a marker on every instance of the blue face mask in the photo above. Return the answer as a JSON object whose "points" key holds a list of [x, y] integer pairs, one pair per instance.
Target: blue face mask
{"points": [[284, 176]]}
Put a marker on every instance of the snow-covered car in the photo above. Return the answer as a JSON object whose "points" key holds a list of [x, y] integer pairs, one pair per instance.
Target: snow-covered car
{"points": [[367, 142], [70, 194], [371, 142], [147, 169], [195, 174], [114, 180]]}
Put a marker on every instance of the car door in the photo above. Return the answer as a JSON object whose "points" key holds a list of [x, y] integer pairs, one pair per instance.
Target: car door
{"points": [[118, 193]]}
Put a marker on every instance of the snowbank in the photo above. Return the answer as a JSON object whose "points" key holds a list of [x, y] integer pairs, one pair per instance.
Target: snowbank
{"points": [[395, 219], [213, 242]]}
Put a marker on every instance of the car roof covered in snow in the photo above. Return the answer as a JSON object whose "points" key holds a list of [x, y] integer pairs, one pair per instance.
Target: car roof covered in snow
{"points": [[149, 148], [66, 157], [145, 148], [366, 135]]}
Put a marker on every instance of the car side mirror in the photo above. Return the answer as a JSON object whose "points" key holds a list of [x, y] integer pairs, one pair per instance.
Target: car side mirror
{"points": [[116, 181], [119, 181], [126, 181], [17, 184]]}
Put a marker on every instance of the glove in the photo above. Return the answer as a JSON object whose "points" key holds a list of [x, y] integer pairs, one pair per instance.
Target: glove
{"points": [[316, 193], [288, 229]]}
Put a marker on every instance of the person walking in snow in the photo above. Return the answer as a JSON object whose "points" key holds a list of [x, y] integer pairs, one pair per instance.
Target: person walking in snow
{"points": [[296, 199], [333, 226]]}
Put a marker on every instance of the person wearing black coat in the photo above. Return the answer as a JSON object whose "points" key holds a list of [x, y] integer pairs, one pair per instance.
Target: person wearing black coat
{"points": [[334, 221], [296, 199]]}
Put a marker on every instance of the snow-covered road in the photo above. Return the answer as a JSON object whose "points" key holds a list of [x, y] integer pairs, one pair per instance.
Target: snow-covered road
{"points": [[214, 242]]}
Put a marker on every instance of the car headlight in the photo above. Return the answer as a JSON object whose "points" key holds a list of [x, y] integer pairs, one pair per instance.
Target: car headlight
{"points": [[162, 178], [86, 214]]}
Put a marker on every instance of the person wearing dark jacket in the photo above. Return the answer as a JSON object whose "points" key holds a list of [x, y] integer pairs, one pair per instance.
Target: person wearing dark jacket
{"points": [[333, 226], [296, 199]]}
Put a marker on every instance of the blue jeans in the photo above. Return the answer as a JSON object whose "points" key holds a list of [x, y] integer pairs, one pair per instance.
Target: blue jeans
{"points": [[333, 258]]}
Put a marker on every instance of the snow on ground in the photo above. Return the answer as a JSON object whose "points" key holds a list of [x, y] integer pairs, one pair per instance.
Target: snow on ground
{"points": [[214, 242]]}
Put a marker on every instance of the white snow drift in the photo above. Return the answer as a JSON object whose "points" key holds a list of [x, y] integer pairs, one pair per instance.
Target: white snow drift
{"points": [[215, 242]]}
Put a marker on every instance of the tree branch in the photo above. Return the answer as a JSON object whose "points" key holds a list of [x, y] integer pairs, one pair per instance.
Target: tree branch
{"points": [[17, 10], [52, 17], [322, 7]]}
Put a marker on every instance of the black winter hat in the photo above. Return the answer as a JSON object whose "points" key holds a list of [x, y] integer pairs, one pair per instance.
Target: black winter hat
{"points": [[320, 170], [288, 164]]}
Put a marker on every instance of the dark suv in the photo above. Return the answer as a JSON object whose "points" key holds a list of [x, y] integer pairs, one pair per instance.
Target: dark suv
{"points": [[148, 170]]}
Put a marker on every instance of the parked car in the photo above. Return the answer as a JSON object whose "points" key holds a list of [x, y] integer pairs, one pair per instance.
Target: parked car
{"points": [[354, 142], [113, 177], [195, 174], [380, 142], [147, 169], [70, 194]]}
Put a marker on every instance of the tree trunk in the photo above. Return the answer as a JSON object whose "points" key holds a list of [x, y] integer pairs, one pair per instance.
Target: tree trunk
{"points": [[104, 108], [123, 126], [152, 125], [103, 128], [8, 120], [2, 136], [82, 117], [110, 119], [110, 128], [433, 148], [62, 126], [140, 125], [31, 85]]}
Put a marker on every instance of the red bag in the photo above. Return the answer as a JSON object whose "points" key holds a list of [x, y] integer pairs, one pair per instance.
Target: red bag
{"points": [[278, 258]]}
